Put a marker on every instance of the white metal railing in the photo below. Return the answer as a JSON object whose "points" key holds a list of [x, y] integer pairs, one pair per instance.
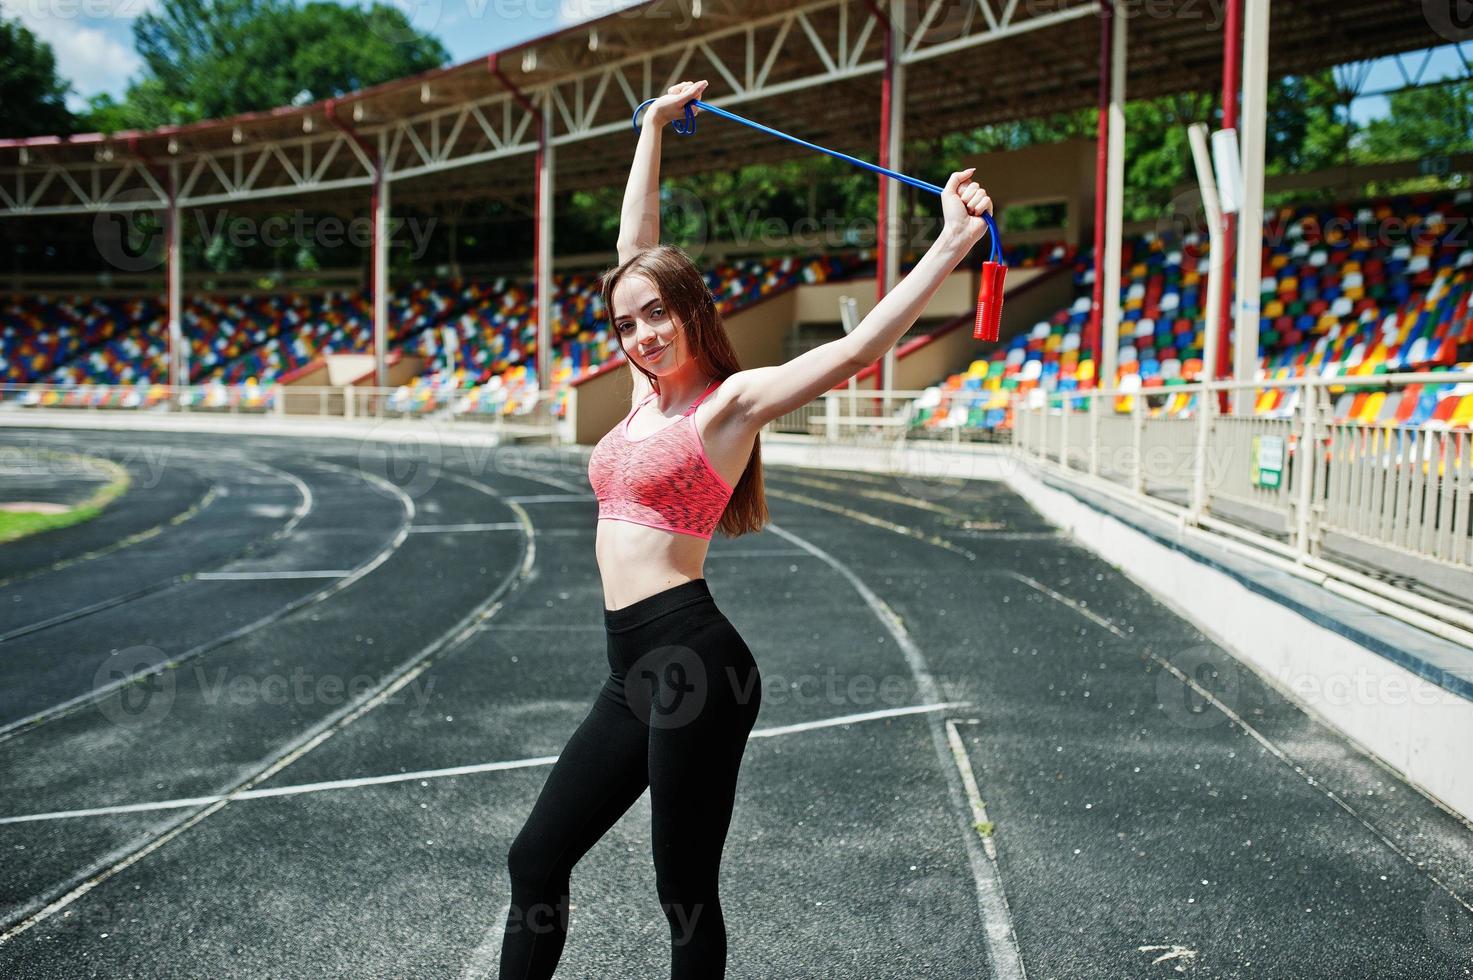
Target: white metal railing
{"points": [[523, 413], [850, 414], [863, 416], [1394, 489]]}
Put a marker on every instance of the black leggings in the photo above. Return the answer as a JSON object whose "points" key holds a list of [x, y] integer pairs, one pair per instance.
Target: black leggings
{"points": [[681, 697]]}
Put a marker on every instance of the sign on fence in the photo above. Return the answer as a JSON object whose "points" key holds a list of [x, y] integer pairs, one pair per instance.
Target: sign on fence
{"points": [[1268, 461]]}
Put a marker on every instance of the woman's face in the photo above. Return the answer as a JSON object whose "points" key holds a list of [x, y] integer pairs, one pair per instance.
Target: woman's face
{"points": [[649, 334]]}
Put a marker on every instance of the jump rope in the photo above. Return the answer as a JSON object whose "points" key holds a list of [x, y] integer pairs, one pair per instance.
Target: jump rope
{"points": [[990, 287]]}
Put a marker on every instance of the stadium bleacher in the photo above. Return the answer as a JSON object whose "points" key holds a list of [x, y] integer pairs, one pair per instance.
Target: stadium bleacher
{"points": [[1340, 295], [1338, 298]]}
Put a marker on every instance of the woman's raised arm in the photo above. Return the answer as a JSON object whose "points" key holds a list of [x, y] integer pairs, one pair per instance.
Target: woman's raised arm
{"points": [[639, 222]]}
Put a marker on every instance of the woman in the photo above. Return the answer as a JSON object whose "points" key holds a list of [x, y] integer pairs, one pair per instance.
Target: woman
{"points": [[683, 690]]}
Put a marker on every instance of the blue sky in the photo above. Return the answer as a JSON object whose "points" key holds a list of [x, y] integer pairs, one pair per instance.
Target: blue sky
{"points": [[96, 52]]}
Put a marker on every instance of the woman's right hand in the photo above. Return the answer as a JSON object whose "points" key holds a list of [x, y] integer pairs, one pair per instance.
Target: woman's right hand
{"points": [[671, 106]]}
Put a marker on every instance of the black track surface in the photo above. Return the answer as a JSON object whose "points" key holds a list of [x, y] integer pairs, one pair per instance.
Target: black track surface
{"points": [[1140, 831]]}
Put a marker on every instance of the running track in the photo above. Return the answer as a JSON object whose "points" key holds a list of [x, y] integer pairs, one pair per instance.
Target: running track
{"points": [[349, 674]]}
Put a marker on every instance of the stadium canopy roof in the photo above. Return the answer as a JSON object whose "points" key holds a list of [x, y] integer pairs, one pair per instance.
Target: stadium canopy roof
{"points": [[813, 70]]}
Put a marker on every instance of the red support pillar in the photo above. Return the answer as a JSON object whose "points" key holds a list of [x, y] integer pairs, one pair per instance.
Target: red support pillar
{"points": [[1102, 140], [1232, 60]]}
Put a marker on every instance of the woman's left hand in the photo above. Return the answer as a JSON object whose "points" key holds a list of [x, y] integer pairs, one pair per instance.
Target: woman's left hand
{"points": [[963, 203]]}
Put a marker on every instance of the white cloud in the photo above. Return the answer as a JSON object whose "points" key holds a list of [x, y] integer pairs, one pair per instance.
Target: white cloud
{"points": [[92, 40]]}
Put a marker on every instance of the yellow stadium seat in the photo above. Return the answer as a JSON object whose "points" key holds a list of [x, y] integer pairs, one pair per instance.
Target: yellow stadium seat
{"points": [[1372, 408]]}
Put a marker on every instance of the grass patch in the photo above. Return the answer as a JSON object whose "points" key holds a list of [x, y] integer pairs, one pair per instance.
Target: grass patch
{"points": [[18, 524]]}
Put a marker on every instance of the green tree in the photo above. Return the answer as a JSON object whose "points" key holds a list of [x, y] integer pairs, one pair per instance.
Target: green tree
{"points": [[1426, 121], [32, 97], [210, 59]]}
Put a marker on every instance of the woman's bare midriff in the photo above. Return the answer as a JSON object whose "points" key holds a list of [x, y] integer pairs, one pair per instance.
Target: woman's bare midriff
{"points": [[636, 561]]}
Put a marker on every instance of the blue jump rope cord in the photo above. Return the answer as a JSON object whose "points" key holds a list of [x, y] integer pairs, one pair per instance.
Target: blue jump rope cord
{"points": [[689, 128]]}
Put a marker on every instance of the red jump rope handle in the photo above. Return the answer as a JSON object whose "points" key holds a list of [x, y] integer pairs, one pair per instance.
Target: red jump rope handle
{"points": [[989, 301]]}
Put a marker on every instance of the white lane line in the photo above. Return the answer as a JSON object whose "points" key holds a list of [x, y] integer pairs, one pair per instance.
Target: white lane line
{"points": [[12, 729], [859, 515], [427, 774], [980, 823], [550, 498], [757, 553], [1258, 736], [455, 528], [560, 627], [408, 669], [246, 576], [992, 904], [804, 726], [1078, 607]]}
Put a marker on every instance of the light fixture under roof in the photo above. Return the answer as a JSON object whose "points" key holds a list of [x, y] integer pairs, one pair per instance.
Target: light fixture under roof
{"points": [[424, 92], [25, 156], [306, 124], [235, 135], [529, 60], [357, 111], [593, 40], [173, 145]]}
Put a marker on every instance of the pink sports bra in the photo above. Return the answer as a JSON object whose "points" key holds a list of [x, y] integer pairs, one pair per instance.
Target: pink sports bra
{"points": [[663, 480]]}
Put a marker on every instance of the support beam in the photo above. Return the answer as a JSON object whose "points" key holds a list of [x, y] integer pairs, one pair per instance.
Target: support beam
{"points": [[891, 152], [380, 266], [1102, 143], [1250, 218], [541, 218], [178, 351], [1115, 201], [543, 263], [1231, 52]]}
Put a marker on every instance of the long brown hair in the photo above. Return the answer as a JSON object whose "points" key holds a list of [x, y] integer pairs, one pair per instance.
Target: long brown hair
{"points": [[685, 294]]}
